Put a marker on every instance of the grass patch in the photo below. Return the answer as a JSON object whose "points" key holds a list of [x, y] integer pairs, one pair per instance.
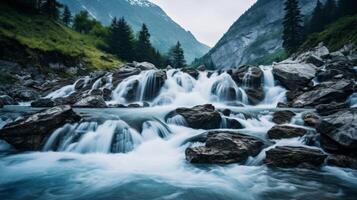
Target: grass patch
{"points": [[43, 35], [335, 36]]}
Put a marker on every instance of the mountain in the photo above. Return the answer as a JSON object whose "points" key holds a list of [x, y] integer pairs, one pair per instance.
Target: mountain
{"points": [[164, 31], [254, 37]]}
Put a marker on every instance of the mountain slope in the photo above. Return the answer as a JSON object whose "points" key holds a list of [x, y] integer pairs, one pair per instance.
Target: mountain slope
{"points": [[32, 39], [165, 32], [255, 35]]}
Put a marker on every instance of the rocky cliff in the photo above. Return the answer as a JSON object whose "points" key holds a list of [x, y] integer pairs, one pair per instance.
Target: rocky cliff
{"points": [[256, 35]]}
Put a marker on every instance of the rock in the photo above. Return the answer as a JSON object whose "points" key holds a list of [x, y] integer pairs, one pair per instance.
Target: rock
{"points": [[225, 148], [317, 61], [107, 94], [7, 100], [201, 68], [294, 76], [342, 161], [144, 66], [249, 76], [91, 102], [325, 93], [328, 109], [1, 104], [97, 92], [339, 131], [123, 73], [232, 124], [282, 105], [282, 117], [41, 103], [192, 72], [226, 112], [30, 133], [337, 70], [310, 119], [134, 105], [199, 117], [255, 95], [288, 157], [284, 131], [23, 94]]}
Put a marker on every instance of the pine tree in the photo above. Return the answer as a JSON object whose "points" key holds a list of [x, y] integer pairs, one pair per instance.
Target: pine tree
{"points": [[144, 50], [121, 39], [51, 8], [82, 22], [176, 57], [316, 22], [293, 28], [67, 16]]}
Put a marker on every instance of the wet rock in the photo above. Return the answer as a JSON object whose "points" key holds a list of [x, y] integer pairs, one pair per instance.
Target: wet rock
{"points": [[225, 148], [282, 105], [282, 117], [315, 60], [226, 112], [41, 103], [31, 132], [294, 76], [342, 161], [249, 76], [325, 93], [123, 73], [134, 105], [144, 66], [199, 117], [91, 102], [310, 119], [23, 94], [255, 95], [288, 157], [1, 104], [339, 131], [192, 72], [107, 94], [337, 70], [201, 68], [328, 109], [232, 124], [7, 100], [284, 131]]}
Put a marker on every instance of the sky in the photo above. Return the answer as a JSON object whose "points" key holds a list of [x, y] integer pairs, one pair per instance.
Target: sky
{"points": [[208, 20]]}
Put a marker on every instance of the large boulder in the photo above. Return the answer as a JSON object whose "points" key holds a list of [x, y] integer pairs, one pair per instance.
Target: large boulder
{"points": [[31, 132], [342, 161], [325, 93], [42, 103], [95, 101], [7, 100], [154, 85], [328, 109], [288, 157], [144, 66], [294, 76], [284, 131], [191, 71], [310, 119], [337, 70], [339, 131], [225, 148], [255, 95], [199, 117], [123, 73], [282, 117]]}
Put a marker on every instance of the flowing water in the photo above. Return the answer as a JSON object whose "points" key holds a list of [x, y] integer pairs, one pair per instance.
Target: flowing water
{"points": [[127, 153]]}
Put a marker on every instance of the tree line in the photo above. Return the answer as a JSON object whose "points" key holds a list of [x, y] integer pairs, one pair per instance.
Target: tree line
{"points": [[295, 30], [119, 38]]}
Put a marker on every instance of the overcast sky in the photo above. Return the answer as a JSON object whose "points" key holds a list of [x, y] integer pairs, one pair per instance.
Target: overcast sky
{"points": [[208, 20]]}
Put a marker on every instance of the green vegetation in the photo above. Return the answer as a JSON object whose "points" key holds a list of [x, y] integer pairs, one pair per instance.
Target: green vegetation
{"points": [[268, 59], [39, 34], [336, 35]]}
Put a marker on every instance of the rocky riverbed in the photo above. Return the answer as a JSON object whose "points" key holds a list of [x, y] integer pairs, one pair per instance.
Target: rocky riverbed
{"points": [[252, 132]]}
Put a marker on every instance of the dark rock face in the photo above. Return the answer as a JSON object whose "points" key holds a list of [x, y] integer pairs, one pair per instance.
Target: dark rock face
{"points": [[23, 94], [249, 76], [41, 103], [282, 131], [31, 132], [255, 95], [123, 73], [336, 70], [310, 119], [7, 100], [225, 148], [288, 157], [328, 109], [199, 117], [152, 89], [294, 76], [339, 131], [325, 93], [282, 117], [342, 161], [95, 101]]}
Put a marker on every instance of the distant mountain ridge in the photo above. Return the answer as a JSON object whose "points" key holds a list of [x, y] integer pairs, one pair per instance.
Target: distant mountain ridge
{"points": [[164, 31], [255, 35]]}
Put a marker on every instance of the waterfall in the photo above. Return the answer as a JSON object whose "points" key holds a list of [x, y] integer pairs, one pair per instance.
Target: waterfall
{"points": [[67, 90], [273, 93], [154, 129]]}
